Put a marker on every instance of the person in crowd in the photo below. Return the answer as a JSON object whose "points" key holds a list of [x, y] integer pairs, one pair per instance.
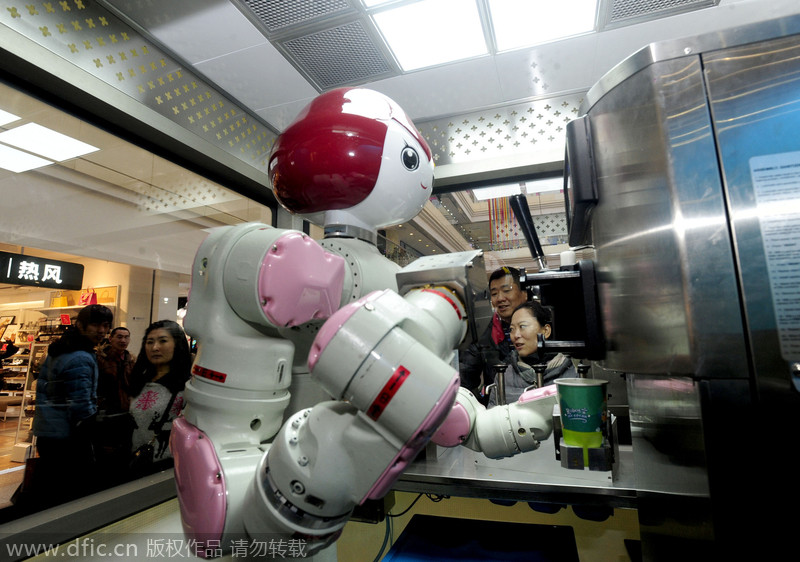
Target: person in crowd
{"points": [[476, 363], [66, 407], [116, 364], [157, 381], [115, 425], [528, 321]]}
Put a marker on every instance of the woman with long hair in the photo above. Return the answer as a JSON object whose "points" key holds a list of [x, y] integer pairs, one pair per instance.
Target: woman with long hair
{"points": [[528, 321], [157, 380]]}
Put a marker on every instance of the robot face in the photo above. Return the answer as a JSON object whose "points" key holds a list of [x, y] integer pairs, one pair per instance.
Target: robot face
{"points": [[355, 151]]}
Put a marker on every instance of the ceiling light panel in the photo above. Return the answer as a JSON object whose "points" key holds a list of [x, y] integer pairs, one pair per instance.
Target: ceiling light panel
{"points": [[432, 32], [545, 185], [527, 187], [497, 191], [17, 161], [46, 142], [6, 118], [522, 23]]}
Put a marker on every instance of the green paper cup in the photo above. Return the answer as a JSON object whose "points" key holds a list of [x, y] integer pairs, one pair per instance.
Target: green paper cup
{"points": [[584, 409]]}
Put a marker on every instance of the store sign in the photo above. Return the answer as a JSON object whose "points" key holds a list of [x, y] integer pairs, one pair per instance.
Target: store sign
{"points": [[17, 269]]}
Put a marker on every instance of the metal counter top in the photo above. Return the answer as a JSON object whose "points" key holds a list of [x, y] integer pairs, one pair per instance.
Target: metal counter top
{"points": [[534, 476]]}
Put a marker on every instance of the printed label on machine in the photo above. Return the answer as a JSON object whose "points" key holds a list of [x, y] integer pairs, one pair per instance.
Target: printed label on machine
{"points": [[776, 182]]}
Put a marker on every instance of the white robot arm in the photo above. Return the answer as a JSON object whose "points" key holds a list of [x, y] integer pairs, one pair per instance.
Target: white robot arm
{"points": [[385, 360], [381, 357], [248, 282], [502, 431]]}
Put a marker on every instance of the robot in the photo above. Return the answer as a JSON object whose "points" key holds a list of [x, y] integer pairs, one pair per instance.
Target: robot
{"points": [[271, 307]]}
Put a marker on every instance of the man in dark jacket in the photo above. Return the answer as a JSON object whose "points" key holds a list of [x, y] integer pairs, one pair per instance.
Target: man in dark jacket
{"points": [[66, 404], [493, 346], [115, 425], [115, 364]]}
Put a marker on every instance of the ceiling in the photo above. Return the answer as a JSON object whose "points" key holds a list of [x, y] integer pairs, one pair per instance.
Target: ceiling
{"points": [[212, 83]]}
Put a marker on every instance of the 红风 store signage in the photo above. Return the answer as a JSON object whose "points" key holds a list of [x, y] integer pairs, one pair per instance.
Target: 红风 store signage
{"points": [[17, 269]]}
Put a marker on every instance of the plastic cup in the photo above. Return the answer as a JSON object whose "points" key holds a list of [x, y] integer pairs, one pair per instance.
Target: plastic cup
{"points": [[584, 409]]}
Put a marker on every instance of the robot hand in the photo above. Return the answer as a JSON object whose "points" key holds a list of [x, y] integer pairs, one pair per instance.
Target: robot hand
{"points": [[502, 431]]}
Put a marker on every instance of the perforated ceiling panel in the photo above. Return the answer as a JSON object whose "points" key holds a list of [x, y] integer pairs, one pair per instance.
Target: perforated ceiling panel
{"points": [[615, 13], [330, 42], [277, 15], [344, 55], [514, 129]]}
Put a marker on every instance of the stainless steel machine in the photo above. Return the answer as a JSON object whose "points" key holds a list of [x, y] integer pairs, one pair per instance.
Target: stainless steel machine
{"points": [[684, 174]]}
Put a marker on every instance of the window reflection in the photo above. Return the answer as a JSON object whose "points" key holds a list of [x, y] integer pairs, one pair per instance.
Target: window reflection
{"points": [[132, 219]]}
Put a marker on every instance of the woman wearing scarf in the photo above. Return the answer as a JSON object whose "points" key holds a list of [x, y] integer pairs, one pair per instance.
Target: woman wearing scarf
{"points": [[527, 322]]}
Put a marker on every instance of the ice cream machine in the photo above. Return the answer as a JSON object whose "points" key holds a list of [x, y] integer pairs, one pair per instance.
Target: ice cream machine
{"points": [[684, 175]]}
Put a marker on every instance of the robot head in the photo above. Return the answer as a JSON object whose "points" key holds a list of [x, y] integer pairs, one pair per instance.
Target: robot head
{"points": [[354, 154]]}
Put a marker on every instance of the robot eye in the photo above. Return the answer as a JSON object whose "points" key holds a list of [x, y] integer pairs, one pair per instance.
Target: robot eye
{"points": [[410, 158]]}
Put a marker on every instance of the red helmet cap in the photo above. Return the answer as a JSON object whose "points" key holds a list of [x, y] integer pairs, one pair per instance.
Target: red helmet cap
{"points": [[330, 156]]}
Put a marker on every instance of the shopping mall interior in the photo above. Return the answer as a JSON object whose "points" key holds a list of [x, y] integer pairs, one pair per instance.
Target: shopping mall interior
{"points": [[173, 109]]}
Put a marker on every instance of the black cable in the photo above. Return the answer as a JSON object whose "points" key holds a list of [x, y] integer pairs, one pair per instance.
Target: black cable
{"points": [[389, 515], [385, 538], [435, 498]]}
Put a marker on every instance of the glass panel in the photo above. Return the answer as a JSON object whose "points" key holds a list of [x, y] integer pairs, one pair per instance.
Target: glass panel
{"points": [[132, 219]]}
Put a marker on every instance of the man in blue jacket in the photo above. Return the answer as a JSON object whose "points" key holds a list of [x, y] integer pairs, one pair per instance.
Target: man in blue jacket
{"points": [[66, 405]]}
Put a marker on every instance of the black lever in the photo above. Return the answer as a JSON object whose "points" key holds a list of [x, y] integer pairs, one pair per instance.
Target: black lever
{"points": [[519, 204]]}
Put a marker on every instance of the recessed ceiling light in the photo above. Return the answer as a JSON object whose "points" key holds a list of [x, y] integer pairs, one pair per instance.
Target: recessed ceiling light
{"points": [[45, 142], [542, 186], [497, 191], [451, 29], [522, 23], [507, 190], [17, 161], [6, 117]]}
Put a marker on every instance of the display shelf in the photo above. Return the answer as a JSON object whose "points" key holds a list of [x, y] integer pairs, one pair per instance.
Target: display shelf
{"points": [[68, 309], [64, 308], [106, 295], [28, 406]]}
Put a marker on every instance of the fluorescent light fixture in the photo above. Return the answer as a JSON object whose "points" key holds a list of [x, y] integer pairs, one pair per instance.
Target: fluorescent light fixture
{"points": [[497, 191], [45, 142], [509, 189], [6, 117], [432, 32], [541, 186], [17, 161], [522, 23]]}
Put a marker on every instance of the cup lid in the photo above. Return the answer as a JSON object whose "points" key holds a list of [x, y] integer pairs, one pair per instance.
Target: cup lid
{"points": [[581, 382]]}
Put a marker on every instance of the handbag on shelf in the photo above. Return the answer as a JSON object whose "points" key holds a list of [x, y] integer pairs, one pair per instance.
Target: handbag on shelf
{"points": [[88, 296], [105, 296], [59, 300]]}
